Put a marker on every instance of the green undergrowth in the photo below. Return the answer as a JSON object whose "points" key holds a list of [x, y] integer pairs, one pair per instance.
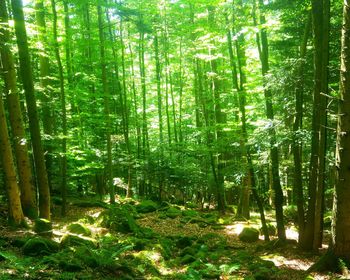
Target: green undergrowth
{"points": [[112, 244]]}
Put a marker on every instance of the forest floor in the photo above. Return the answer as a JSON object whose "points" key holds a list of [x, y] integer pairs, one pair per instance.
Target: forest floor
{"points": [[148, 241]]}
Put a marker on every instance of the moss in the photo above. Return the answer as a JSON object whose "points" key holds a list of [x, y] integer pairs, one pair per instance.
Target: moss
{"points": [[79, 229], [183, 242], [74, 240], [173, 212], [43, 227], [40, 246], [119, 219], [147, 206], [189, 213], [249, 235]]}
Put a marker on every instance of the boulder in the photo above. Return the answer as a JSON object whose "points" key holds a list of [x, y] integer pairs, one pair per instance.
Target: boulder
{"points": [[43, 227], [249, 234], [79, 229], [75, 240], [147, 206], [173, 212]]}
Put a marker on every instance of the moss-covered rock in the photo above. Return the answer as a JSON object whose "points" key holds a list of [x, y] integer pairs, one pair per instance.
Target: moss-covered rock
{"points": [[119, 219], [249, 234], [40, 246], [78, 228], [173, 212], [75, 240], [43, 227], [147, 206], [189, 213]]}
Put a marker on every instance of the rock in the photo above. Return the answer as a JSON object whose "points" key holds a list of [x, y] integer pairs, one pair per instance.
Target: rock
{"points": [[40, 246], [173, 212], [249, 235], [79, 229], [119, 219], [189, 213], [147, 206], [43, 227], [75, 240]]}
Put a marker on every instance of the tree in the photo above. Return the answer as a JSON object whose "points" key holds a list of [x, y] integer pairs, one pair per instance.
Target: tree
{"points": [[262, 42], [27, 80], [25, 175], [312, 236]]}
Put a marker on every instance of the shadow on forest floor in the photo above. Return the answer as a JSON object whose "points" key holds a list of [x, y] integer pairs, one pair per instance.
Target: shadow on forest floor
{"points": [[133, 240]]}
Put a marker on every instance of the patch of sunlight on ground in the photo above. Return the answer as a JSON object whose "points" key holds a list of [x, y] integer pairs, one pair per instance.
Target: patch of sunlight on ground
{"points": [[283, 261], [235, 229]]}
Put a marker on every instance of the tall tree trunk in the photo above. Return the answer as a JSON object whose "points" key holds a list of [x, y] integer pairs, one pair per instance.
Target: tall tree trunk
{"points": [[216, 88], [320, 11], [46, 94], [341, 225], [262, 42], [25, 174], [297, 126], [106, 105], [27, 80], [145, 143], [240, 87], [63, 113], [160, 116], [15, 209]]}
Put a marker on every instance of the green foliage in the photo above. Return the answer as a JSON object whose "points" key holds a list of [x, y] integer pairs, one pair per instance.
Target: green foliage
{"points": [[39, 246]]}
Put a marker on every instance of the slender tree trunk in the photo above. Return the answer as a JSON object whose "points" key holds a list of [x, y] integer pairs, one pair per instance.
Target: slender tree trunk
{"points": [[160, 116], [25, 174], [15, 209], [46, 94], [241, 59], [106, 105], [63, 113], [297, 126], [320, 11], [145, 143], [27, 80], [262, 42]]}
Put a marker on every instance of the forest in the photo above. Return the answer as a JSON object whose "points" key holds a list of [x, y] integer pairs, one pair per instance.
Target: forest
{"points": [[174, 139]]}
